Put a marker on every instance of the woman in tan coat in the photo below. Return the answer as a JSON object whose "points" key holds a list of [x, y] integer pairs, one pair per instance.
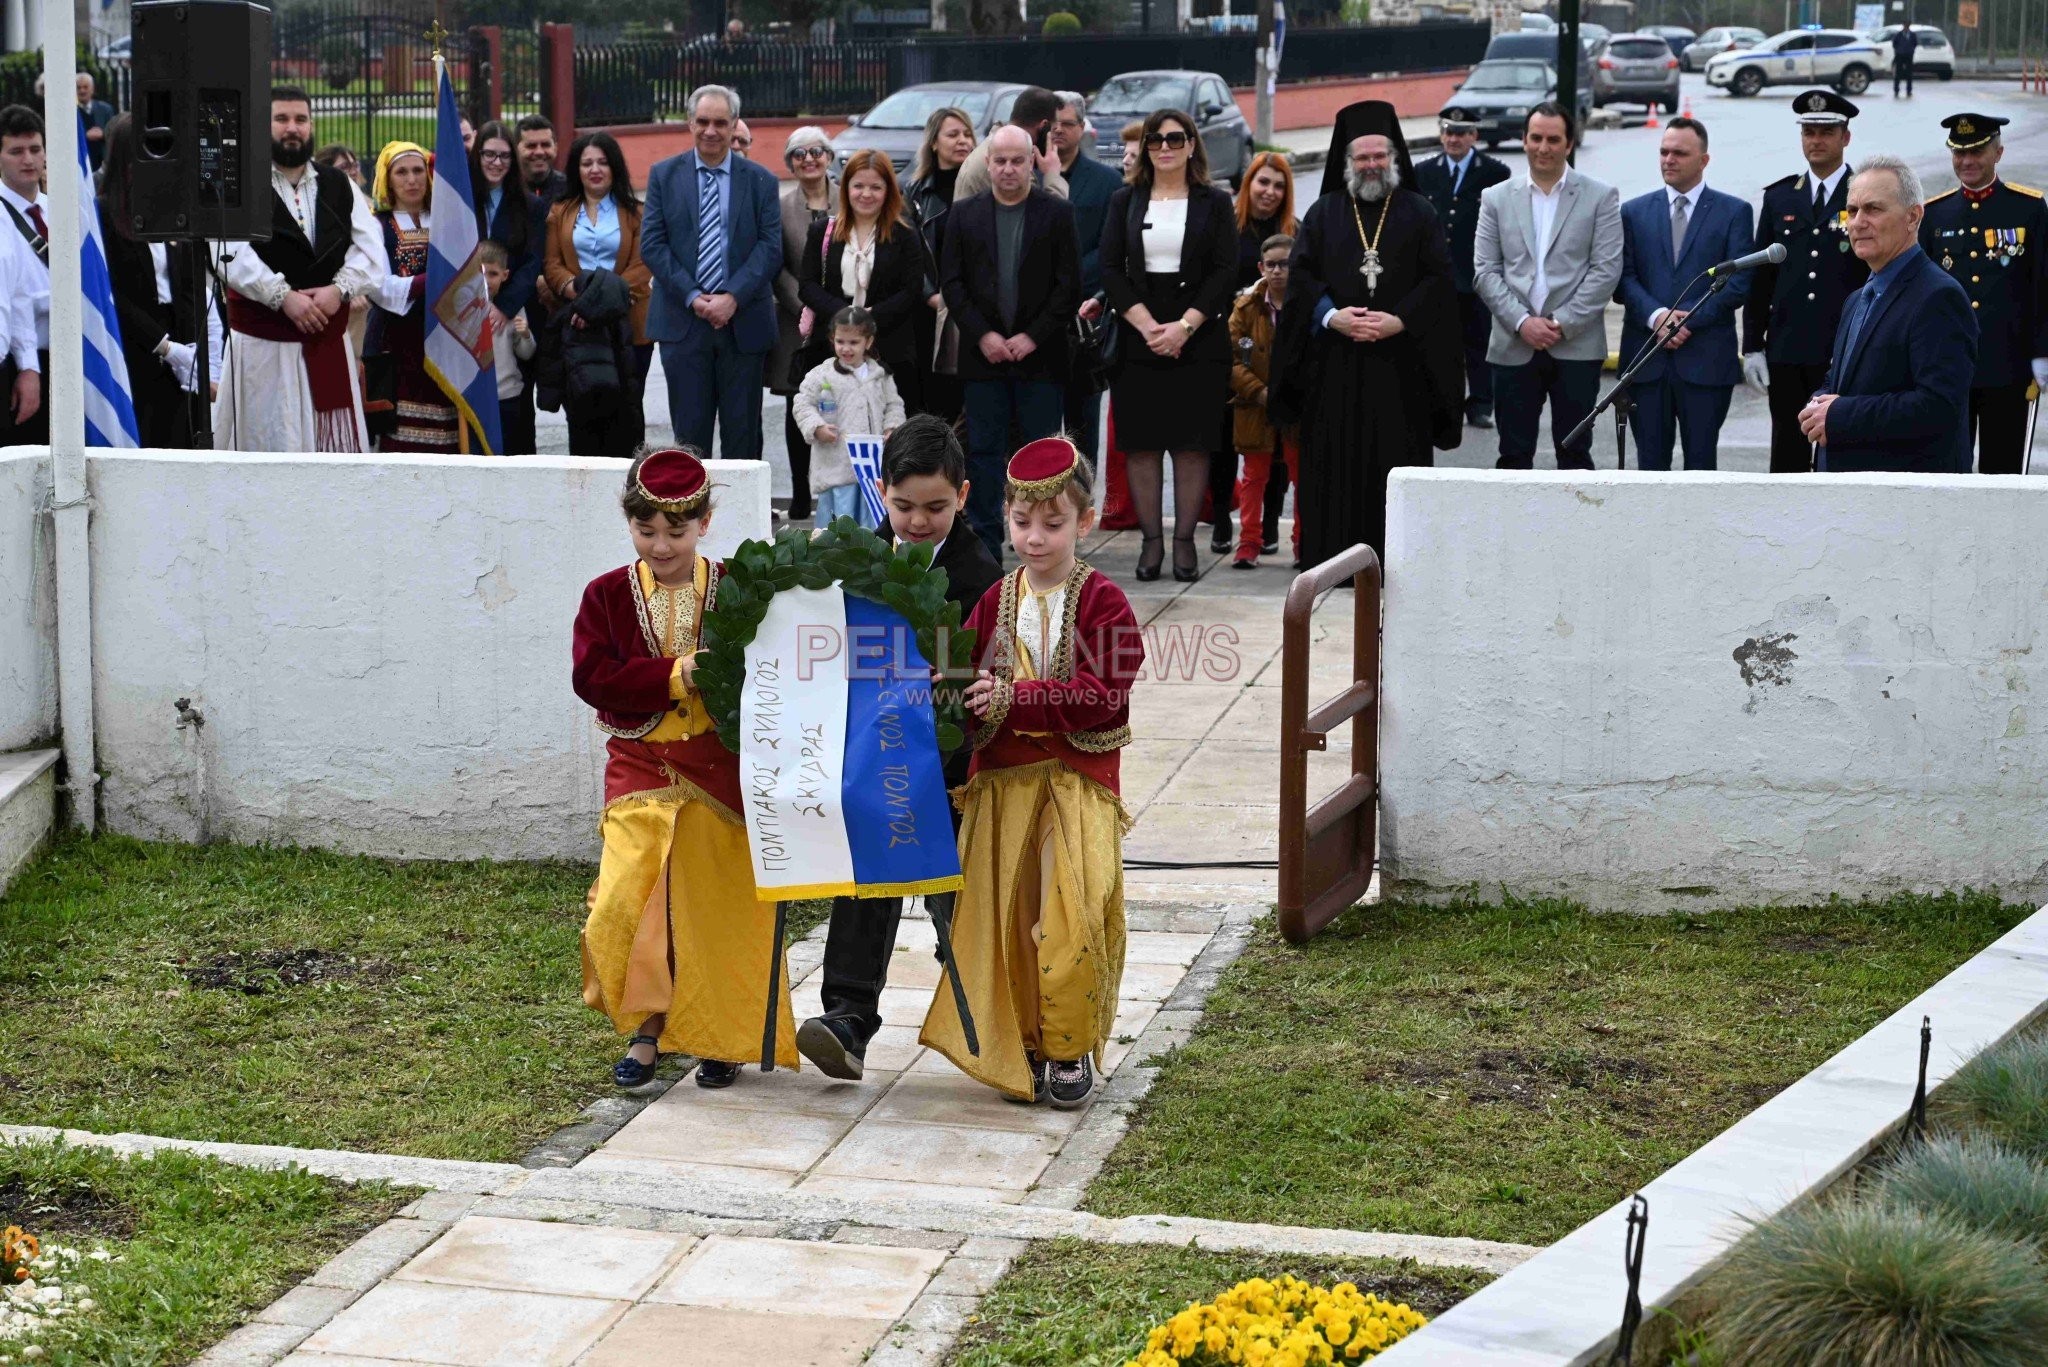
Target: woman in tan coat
{"points": [[596, 226]]}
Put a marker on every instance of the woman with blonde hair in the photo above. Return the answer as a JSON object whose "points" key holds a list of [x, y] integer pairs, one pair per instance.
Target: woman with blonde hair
{"points": [[422, 418], [948, 138], [806, 202]]}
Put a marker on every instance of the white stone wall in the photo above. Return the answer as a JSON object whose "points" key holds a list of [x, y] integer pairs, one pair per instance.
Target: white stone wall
{"points": [[28, 601], [1682, 690], [379, 646]]}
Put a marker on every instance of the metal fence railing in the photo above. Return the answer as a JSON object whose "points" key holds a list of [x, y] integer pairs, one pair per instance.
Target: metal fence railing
{"points": [[648, 79]]}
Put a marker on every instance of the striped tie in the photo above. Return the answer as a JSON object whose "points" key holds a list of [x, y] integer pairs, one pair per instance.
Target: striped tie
{"points": [[710, 233]]}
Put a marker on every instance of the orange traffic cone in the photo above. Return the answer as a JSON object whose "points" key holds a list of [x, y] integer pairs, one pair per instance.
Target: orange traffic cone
{"points": [[1687, 111], [1651, 122]]}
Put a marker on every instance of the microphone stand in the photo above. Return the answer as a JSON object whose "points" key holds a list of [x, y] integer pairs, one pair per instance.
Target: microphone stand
{"points": [[1618, 398]]}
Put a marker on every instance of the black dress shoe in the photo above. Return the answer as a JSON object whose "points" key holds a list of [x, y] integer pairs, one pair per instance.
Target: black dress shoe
{"points": [[712, 1073], [1481, 420], [1270, 546], [834, 1045]]}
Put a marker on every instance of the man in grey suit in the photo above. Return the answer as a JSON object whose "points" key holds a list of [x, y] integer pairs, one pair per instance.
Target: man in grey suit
{"points": [[1546, 259], [712, 236]]}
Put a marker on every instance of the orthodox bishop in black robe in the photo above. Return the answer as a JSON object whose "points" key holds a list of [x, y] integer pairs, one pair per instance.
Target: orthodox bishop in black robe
{"points": [[1369, 404]]}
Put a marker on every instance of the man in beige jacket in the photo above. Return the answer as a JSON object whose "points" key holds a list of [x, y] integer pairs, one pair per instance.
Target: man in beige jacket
{"points": [[1034, 112]]}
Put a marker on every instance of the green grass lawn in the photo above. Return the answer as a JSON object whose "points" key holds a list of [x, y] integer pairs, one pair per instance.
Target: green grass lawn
{"points": [[1507, 1072], [198, 1246], [1071, 1304], [292, 997]]}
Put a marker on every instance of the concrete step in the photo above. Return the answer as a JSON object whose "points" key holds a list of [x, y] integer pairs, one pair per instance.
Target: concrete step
{"points": [[28, 807]]}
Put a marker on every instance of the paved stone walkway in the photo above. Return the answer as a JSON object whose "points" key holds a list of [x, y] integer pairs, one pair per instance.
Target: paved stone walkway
{"points": [[797, 1220]]}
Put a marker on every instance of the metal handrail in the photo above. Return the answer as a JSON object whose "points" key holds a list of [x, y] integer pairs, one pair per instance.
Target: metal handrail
{"points": [[1326, 851]]}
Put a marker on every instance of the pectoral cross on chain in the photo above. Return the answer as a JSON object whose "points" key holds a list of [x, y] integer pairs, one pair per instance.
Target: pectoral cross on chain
{"points": [[1372, 271]]}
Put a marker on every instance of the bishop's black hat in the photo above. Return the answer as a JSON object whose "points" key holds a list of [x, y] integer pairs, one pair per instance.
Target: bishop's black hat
{"points": [[1823, 108], [1966, 131], [1355, 121]]}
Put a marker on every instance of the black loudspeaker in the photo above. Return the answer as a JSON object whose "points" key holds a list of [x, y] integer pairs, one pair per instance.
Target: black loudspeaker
{"points": [[202, 108]]}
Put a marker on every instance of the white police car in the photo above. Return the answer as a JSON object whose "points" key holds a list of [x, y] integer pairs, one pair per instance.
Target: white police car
{"points": [[1839, 57]]}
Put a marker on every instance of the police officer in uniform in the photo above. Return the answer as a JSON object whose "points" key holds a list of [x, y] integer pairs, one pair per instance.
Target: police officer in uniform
{"points": [[1788, 325], [1452, 181], [1988, 234]]}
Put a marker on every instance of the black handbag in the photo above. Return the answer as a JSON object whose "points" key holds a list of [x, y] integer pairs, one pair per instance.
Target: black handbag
{"points": [[1094, 349]]}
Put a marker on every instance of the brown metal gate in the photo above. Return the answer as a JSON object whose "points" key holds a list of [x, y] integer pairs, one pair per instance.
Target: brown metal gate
{"points": [[1326, 851]]}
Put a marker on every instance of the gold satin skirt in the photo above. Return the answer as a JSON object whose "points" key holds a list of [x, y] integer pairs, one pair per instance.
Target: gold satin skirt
{"points": [[674, 926], [1038, 930]]}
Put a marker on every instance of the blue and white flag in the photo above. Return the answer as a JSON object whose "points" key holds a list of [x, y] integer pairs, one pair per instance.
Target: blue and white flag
{"points": [[840, 772], [866, 454], [109, 400], [460, 352]]}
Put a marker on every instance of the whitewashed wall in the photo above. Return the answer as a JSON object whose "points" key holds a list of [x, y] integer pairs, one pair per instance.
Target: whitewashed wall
{"points": [[1655, 691], [28, 601], [379, 646]]}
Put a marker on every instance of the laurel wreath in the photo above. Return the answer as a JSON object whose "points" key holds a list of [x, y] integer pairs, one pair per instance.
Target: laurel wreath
{"points": [[862, 564]]}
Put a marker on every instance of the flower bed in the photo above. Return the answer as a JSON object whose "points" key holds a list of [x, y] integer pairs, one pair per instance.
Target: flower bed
{"points": [[40, 1286], [1284, 1323]]}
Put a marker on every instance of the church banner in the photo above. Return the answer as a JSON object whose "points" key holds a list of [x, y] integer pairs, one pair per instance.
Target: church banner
{"points": [[840, 771]]}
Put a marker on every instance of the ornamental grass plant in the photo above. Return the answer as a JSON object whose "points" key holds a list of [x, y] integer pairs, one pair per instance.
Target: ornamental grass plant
{"points": [[2003, 1093], [1977, 1180], [1878, 1283]]}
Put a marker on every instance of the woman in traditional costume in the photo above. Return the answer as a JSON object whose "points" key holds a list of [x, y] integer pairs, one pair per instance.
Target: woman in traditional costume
{"points": [[398, 325], [677, 948], [1038, 931]]}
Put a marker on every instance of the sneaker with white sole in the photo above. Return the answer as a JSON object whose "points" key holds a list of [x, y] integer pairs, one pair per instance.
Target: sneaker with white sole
{"points": [[1070, 1083]]}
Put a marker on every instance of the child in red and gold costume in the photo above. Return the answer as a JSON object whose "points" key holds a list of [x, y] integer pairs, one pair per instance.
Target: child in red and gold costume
{"points": [[1038, 931], [676, 948]]}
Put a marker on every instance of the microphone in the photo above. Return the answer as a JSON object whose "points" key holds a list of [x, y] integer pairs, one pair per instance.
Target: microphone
{"points": [[1769, 256]]}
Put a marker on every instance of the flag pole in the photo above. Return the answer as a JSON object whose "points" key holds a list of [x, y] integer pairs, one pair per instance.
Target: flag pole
{"points": [[64, 399]]}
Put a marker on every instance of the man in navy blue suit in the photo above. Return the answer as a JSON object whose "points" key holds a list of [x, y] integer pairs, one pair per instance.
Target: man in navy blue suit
{"points": [[1667, 238], [1897, 393], [712, 235]]}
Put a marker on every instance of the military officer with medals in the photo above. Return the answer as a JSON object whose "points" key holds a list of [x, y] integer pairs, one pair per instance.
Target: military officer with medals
{"points": [[1452, 181], [1987, 233], [1788, 325]]}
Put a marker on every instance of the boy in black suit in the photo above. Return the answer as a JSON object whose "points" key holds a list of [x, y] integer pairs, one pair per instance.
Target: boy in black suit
{"points": [[924, 488]]}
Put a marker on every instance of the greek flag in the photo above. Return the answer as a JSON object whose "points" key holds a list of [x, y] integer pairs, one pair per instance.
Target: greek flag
{"points": [[866, 455], [109, 402], [460, 352], [840, 773]]}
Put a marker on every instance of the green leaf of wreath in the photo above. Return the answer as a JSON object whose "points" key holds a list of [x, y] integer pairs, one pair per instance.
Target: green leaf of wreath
{"points": [[862, 564]]}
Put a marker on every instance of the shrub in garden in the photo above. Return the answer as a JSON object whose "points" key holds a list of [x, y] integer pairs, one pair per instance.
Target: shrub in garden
{"points": [[1284, 1323], [1854, 1284], [1060, 24], [1978, 1181], [2002, 1092]]}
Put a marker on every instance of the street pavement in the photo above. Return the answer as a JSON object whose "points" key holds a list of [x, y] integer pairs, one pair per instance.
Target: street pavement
{"points": [[1754, 141]]}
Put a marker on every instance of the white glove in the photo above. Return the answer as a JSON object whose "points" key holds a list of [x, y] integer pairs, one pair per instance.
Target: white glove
{"points": [[1756, 372], [2041, 373], [183, 359]]}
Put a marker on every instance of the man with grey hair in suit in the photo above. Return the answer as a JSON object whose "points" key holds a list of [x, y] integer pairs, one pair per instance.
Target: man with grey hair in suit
{"points": [[1546, 259]]}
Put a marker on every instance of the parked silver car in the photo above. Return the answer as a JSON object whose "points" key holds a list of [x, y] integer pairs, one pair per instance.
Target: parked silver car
{"points": [[1636, 68], [1716, 41], [1226, 137], [896, 125]]}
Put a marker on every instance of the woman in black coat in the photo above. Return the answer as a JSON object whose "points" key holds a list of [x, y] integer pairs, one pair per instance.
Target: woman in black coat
{"points": [[948, 138], [153, 296], [1169, 265], [875, 259]]}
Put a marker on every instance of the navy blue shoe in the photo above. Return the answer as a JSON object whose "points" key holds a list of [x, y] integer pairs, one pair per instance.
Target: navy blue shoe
{"points": [[630, 1072]]}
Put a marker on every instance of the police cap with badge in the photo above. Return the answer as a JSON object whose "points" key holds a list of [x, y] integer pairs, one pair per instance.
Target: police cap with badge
{"points": [[1966, 132], [1823, 109]]}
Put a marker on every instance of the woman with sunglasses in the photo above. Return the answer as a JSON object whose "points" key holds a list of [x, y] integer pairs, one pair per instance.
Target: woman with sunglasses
{"points": [[806, 201], [508, 215], [1169, 264]]}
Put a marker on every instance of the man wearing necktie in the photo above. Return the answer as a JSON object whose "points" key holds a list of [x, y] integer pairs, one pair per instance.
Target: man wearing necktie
{"points": [[1452, 181], [1897, 392], [1668, 237], [712, 236], [22, 156]]}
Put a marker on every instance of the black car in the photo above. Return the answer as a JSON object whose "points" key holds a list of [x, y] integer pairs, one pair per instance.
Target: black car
{"points": [[1201, 94], [1497, 95]]}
